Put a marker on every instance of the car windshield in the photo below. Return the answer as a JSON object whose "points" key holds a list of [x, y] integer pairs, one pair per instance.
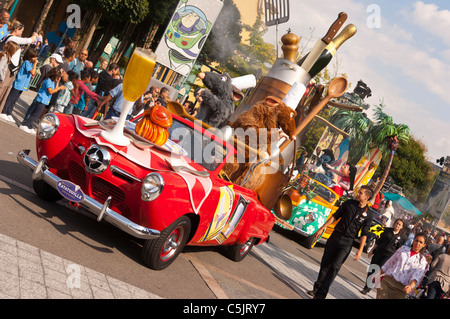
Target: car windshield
{"points": [[321, 192], [199, 147]]}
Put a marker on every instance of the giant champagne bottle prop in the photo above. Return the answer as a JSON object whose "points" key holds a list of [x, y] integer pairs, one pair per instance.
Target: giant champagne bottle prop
{"points": [[330, 50]]}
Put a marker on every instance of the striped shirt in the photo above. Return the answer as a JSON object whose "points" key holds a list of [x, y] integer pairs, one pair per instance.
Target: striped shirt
{"points": [[65, 95]]}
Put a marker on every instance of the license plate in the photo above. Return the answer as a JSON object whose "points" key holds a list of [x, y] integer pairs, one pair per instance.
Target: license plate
{"points": [[70, 191]]}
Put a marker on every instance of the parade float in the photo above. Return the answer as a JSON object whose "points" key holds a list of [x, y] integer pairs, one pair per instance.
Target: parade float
{"points": [[162, 178], [158, 179]]}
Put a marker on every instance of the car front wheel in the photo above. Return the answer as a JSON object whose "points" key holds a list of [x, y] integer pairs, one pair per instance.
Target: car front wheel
{"points": [[370, 245], [45, 191], [161, 252]]}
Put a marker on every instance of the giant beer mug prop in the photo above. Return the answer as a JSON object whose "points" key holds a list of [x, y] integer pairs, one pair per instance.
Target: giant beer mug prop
{"points": [[137, 77]]}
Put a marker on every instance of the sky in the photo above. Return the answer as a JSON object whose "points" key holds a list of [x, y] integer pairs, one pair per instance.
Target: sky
{"points": [[401, 51]]}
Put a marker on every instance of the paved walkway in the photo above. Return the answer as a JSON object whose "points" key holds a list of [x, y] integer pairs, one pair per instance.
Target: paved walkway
{"points": [[27, 272], [301, 274]]}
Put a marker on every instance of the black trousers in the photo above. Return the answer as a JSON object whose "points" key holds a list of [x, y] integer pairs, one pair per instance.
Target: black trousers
{"points": [[33, 113], [11, 100], [435, 290], [336, 252]]}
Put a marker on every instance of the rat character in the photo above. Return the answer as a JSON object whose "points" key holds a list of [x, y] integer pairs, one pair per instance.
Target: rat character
{"points": [[217, 103]]}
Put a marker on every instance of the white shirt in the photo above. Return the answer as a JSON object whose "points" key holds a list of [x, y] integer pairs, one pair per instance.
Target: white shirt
{"points": [[117, 93], [15, 59], [389, 213], [404, 268], [38, 39]]}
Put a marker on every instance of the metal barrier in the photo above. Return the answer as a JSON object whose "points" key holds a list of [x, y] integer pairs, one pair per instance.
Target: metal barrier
{"points": [[35, 80]]}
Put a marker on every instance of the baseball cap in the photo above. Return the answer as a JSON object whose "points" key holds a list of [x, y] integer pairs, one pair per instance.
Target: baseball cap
{"points": [[57, 57]]}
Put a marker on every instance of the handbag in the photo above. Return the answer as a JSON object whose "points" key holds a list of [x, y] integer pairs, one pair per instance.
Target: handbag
{"points": [[3, 66], [13, 69]]}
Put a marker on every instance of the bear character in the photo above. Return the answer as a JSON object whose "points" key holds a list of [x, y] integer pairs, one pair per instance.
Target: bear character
{"points": [[268, 114]]}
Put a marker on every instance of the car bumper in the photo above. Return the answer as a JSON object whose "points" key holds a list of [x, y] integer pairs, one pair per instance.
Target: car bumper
{"points": [[102, 211], [289, 226], [301, 232]]}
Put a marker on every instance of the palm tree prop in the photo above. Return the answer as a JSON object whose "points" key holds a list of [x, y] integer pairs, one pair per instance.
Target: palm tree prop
{"points": [[386, 135], [364, 135], [356, 124]]}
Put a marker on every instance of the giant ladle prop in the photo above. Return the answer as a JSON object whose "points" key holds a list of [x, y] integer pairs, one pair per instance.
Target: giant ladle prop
{"points": [[337, 87]]}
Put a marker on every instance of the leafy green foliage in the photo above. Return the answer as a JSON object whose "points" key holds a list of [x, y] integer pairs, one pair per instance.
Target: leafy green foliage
{"points": [[125, 10], [225, 47], [357, 124], [118, 10], [411, 170], [224, 37]]}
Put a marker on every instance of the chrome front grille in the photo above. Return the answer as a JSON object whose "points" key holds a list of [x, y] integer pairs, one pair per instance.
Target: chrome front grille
{"points": [[77, 175], [99, 188]]}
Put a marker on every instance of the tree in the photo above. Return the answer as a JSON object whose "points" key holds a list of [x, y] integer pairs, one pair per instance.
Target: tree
{"points": [[120, 11], [411, 170], [387, 135], [40, 22], [116, 16], [408, 167], [256, 56], [224, 37], [121, 16]]}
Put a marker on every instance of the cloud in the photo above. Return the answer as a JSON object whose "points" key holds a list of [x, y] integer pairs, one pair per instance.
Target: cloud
{"points": [[400, 64], [434, 21]]}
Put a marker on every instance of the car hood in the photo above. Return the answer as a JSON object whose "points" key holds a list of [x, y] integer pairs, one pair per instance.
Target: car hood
{"points": [[197, 179], [141, 152]]}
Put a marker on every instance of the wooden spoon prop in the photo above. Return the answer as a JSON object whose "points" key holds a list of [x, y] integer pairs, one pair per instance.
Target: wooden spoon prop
{"points": [[336, 88]]}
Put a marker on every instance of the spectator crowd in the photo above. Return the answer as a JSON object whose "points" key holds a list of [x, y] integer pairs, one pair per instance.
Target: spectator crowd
{"points": [[410, 253], [65, 81]]}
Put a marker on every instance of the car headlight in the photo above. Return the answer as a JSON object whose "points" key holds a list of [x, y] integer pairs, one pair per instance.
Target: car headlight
{"points": [[310, 218], [47, 126], [152, 186]]}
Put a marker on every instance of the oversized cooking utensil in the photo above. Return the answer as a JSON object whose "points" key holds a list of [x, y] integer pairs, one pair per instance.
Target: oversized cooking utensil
{"points": [[321, 44], [336, 88], [283, 207]]}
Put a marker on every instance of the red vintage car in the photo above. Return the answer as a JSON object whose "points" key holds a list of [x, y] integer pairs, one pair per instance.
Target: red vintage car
{"points": [[169, 195]]}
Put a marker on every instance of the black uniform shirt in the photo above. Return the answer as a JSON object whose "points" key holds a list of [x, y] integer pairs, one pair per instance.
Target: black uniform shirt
{"points": [[388, 241], [353, 218]]}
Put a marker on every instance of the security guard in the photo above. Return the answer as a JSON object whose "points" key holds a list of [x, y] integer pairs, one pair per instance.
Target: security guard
{"points": [[354, 214]]}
